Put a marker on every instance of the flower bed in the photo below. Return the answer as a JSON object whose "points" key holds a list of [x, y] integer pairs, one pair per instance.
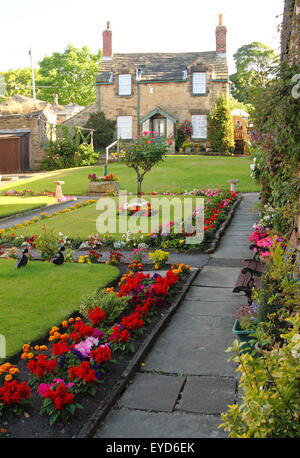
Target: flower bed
{"points": [[84, 357], [218, 205]]}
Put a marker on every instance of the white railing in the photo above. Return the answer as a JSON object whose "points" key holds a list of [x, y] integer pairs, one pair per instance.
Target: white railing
{"points": [[108, 148]]}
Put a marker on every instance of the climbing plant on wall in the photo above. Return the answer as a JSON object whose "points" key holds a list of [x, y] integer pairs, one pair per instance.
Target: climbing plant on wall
{"points": [[276, 144]]}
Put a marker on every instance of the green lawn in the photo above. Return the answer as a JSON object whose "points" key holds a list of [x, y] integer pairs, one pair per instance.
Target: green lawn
{"points": [[10, 205], [41, 295], [175, 174], [82, 222]]}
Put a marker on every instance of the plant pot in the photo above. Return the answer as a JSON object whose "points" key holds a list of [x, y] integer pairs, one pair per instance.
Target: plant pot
{"points": [[244, 337]]}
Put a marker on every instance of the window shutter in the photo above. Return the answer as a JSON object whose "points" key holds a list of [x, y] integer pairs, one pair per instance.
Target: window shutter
{"points": [[124, 127], [124, 84], [199, 123], [199, 83]]}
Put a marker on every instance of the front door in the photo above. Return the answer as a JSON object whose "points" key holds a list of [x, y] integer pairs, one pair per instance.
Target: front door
{"points": [[159, 125]]}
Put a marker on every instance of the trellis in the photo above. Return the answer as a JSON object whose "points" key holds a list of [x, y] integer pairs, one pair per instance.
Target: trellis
{"points": [[72, 132]]}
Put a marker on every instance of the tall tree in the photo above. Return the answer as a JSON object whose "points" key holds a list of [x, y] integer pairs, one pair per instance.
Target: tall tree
{"points": [[71, 75], [18, 81], [255, 64]]}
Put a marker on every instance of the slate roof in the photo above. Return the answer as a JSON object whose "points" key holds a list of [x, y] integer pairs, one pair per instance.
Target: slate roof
{"points": [[162, 66]]}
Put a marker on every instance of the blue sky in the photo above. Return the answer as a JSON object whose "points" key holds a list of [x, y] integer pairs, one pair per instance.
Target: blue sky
{"points": [[162, 26]]}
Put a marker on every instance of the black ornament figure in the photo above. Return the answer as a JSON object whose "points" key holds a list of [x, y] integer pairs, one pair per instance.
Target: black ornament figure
{"points": [[59, 258], [23, 260]]}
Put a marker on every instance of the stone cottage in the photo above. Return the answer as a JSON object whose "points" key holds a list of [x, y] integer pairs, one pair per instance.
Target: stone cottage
{"points": [[26, 127], [156, 91]]}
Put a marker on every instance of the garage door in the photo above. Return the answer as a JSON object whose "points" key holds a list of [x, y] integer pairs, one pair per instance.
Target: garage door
{"points": [[14, 153]]}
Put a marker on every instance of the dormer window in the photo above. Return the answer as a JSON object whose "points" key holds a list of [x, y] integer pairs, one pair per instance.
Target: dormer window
{"points": [[199, 83], [125, 84]]}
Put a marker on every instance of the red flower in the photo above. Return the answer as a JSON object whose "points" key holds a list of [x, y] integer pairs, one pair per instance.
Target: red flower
{"points": [[102, 354], [59, 396], [60, 348], [83, 372], [81, 331], [96, 315], [14, 392], [118, 335], [42, 366], [132, 322]]}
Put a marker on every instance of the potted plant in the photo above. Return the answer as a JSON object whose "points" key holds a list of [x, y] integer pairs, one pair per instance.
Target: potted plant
{"points": [[246, 323], [159, 258], [106, 184], [187, 146]]}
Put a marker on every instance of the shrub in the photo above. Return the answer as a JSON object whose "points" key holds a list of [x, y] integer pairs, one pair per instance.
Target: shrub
{"points": [[271, 400], [112, 305], [220, 128], [105, 130]]}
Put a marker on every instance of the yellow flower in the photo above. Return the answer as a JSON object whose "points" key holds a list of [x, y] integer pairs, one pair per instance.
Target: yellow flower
{"points": [[8, 378], [36, 347], [64, 324], [26, 348], [30, 355], [43, 347], [24, 355]]}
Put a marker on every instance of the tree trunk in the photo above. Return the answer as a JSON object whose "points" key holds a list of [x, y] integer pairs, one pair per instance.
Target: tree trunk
{"points": [[139, 186]]}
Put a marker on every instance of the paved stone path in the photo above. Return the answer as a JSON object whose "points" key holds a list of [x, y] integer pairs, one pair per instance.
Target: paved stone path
{"points": [[187, 382]]}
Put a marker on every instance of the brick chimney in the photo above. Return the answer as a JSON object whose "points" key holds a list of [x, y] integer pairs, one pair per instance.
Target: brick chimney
{"points": [[107, 43], [221, 32]]}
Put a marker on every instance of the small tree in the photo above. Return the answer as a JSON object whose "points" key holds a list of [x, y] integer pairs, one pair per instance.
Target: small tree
{"points": [[220, 127], [104, 130], [143, 153]]}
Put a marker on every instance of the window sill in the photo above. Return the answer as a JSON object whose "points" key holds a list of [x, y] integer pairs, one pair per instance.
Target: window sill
{"points": [[201, 95]]}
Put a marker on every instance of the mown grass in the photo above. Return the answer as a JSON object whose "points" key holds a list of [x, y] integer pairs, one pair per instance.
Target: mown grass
{"points": [[41, 295], [175, 174], [10, 205], [83, 222]]}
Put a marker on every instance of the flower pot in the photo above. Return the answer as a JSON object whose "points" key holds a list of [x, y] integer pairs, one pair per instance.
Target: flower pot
{"points": [[244, 337]]}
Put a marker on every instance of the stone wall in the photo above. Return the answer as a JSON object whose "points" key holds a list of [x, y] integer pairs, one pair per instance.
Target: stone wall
{"points": [[290, 34], [39, 124], [174, 98]]}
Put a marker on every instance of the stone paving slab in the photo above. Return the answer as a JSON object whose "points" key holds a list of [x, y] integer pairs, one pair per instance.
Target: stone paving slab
{"points": [[207, 294], [203, 325], [152, 392], [222, 277], [138, 424], [207, 395], [232, 251], [221, 308], [191, 353]]}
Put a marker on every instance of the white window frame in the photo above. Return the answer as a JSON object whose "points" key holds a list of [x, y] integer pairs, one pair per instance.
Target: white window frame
{"points": [[124, 127], [199, 83], [199, 124], [125, 81]]}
